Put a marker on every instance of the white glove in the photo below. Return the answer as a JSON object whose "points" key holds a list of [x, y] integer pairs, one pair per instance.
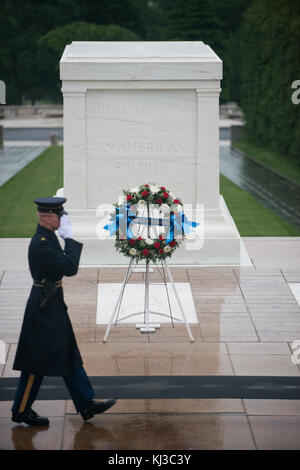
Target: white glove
{"points": [[65, 229]]}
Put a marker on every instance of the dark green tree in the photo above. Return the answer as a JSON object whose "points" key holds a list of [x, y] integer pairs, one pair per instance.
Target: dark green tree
{"points": [[130, 14], [231, 13], [41, 64], [213, 22], [270, 62], [193, 20], [22, 24]]}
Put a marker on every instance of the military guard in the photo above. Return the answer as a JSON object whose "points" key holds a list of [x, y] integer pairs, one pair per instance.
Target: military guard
{"points": [[47, 345]]}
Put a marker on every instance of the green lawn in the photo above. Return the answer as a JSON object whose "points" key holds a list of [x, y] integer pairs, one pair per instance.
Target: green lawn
{"points": [[44, 176], [252, 218], [284, 165]]}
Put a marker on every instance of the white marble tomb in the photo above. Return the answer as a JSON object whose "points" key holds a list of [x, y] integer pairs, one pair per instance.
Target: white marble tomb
{"points": [[139, 112]]}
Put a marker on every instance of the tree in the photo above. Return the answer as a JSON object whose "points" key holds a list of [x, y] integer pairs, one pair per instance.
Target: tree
{"points": [[40, 64], [193, 20], [130, 14], [23, 66], [22, 23], [269, 40], [213, 22]]}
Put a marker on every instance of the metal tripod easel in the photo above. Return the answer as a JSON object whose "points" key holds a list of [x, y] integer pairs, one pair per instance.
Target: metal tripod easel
{"points": [[146, 326]]}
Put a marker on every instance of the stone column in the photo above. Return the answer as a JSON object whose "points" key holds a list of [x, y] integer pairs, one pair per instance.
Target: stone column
{"points": [[207, 174], [75, 182]]}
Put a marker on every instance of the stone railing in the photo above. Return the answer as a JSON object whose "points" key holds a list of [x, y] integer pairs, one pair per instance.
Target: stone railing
{"points": [[44, 111], [231, 111]]}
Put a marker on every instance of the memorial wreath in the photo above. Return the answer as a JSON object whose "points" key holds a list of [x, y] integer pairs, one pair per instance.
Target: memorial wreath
{"points": [[141, 200]]}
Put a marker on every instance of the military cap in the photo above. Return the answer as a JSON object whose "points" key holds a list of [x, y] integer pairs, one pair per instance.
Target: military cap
{"points": [[51, 204]]}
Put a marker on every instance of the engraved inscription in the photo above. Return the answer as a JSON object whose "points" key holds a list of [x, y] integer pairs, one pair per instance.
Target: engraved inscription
{"points": [[134, 136], [134, 127], [140, 147], [119, 109], [135, 167]]}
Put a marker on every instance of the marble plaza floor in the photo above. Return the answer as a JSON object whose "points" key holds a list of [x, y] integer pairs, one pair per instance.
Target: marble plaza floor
{"points": [[247, 320]]}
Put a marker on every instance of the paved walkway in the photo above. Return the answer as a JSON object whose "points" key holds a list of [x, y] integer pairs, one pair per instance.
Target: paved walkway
{"points": [[247, 319], [32, 134], [14, 158]]}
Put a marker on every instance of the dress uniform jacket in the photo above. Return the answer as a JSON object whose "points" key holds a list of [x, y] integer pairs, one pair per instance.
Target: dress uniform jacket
{"points": [[47, 345]]}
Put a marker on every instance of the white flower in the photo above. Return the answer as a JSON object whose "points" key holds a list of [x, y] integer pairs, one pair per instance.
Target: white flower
{"points": [[132, 251], [165, 208], [134, 190], [142, 202], [122, 200], [172, 195], [148, 241], [154, 189], [167, 249]]}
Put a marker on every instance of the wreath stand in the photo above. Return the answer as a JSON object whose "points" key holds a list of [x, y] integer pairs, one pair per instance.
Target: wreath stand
{"points": [[147, 326]]}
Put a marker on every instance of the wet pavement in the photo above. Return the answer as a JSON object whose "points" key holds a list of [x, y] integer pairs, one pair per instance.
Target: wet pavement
{"points": [[247, 320], [14, 158], [32, 134]]}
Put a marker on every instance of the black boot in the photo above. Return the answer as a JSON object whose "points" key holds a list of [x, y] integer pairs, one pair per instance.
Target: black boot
{"points": [[30, 417], [96, 407]]}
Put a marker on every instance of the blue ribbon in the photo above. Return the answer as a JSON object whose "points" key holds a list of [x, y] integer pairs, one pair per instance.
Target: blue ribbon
{"points": [[123, 215], [181, 224]]}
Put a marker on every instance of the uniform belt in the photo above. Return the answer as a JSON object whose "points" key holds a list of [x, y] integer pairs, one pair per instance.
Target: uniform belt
{"points": [[38, 283]]}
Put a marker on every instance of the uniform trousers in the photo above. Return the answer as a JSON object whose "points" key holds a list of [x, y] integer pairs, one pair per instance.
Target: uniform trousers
{"points": [[78, 384]]}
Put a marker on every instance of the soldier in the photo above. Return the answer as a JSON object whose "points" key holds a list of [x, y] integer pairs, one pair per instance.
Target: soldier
{"points": [[47, 345]]}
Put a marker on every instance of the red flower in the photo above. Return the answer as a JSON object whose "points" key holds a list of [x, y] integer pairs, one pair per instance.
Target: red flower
{"points": [[161, 237], [132, 241], [166, 195], [145, 252], [128, 197], [156, 245], [159, 201], [162, 187], [146, 185], [176, 201], [145, 193], [140, 238], [173, 243], [160, 251]]}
